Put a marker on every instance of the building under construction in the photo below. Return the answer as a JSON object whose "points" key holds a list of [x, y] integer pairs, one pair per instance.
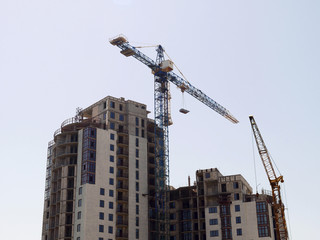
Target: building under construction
{"points": [[100, 185]]}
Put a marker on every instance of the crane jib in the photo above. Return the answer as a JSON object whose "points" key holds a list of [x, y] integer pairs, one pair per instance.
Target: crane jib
{"points": [[129, 50]]}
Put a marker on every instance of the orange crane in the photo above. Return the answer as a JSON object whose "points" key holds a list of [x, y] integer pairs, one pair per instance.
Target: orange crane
{"points": [[278, 207]]}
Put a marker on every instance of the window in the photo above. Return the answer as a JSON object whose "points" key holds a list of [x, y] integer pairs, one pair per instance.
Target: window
{"points": [[112, 115], [137, 121], [239, 231], [137, 153], [111, 136], [101, 228], [100, 238], [110, 193], [137, 163], [137, 221], [101, 215], [137, 209], [78, 228], [236, 196], [110, 217], [213, 221], [112, 104], [172, 227], [263, 231], [112, 126], [79, 202], [214, 233], [121, 117], [110, 205], [78, 238], [111, 147], [137, 142], [79, 215], [137, 132], [137, 186], [120, 107], [110, 229], [262, 219], [101, 191], [80, 190], [137, 197], [261, 207], [213, 210], [223, 187], [111, 158], [142, 133], [137, 233], [101, 204], [172, 216], [111, 170], [104, 104], [111, 181], [237, 208], [207, 175], [235, 185], [137, 175], [142, 122], [104, 116], [238, 219], [172, 205]]}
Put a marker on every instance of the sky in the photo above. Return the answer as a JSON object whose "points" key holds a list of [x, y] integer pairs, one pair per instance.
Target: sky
{"points": [[257, 58]]}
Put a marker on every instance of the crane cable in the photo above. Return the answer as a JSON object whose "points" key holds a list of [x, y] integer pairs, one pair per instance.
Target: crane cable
{"points": [[254, 162], [177, 67], [285, 197]]}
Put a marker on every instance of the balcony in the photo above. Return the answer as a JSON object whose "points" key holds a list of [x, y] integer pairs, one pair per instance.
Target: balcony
{"points": [[123, 141], [122, 175], [122, 187], [122, 198], [122, 210], [123, 153], [123, 222], [122, 163]]}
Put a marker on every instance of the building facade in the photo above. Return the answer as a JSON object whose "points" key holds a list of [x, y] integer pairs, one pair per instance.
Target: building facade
{"points": [[220, 207], [100, 185], [97, 174]]}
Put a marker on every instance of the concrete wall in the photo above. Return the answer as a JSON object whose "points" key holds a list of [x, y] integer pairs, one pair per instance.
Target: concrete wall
{"points": [[91, 197]]}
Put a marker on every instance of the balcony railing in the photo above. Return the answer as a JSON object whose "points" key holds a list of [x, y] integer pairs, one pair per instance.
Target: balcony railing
{"points": [[122, 210], [122, 187], [122, 164]]}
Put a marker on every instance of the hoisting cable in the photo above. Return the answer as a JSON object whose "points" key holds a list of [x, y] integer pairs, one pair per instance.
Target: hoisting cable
{"points": [[254, 162], [287, 209]]}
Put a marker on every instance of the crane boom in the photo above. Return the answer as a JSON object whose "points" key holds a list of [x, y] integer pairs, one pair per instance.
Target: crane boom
{"points": [[278, 207], [129, 50]]}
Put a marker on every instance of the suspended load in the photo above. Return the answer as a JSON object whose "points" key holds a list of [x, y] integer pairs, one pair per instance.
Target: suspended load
{"points": [[184, 111]]}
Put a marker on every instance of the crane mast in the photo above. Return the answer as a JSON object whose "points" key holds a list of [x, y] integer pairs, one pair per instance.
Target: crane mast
{"points": [[278, 207], [162, 78]]}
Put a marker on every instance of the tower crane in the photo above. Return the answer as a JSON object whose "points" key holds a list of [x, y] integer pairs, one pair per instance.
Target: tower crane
{"points": [[278, 207], [163, 75]]}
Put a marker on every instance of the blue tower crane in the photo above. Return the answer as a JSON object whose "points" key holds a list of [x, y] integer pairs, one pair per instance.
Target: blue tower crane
{"points": [[161, 70]]}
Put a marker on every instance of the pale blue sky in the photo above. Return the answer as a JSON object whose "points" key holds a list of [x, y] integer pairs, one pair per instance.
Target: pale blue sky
{"points": [[253, 57]]}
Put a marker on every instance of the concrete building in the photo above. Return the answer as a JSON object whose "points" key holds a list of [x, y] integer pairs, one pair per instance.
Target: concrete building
{"points": [[97, 171], [100, 185], [220, 207]]}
